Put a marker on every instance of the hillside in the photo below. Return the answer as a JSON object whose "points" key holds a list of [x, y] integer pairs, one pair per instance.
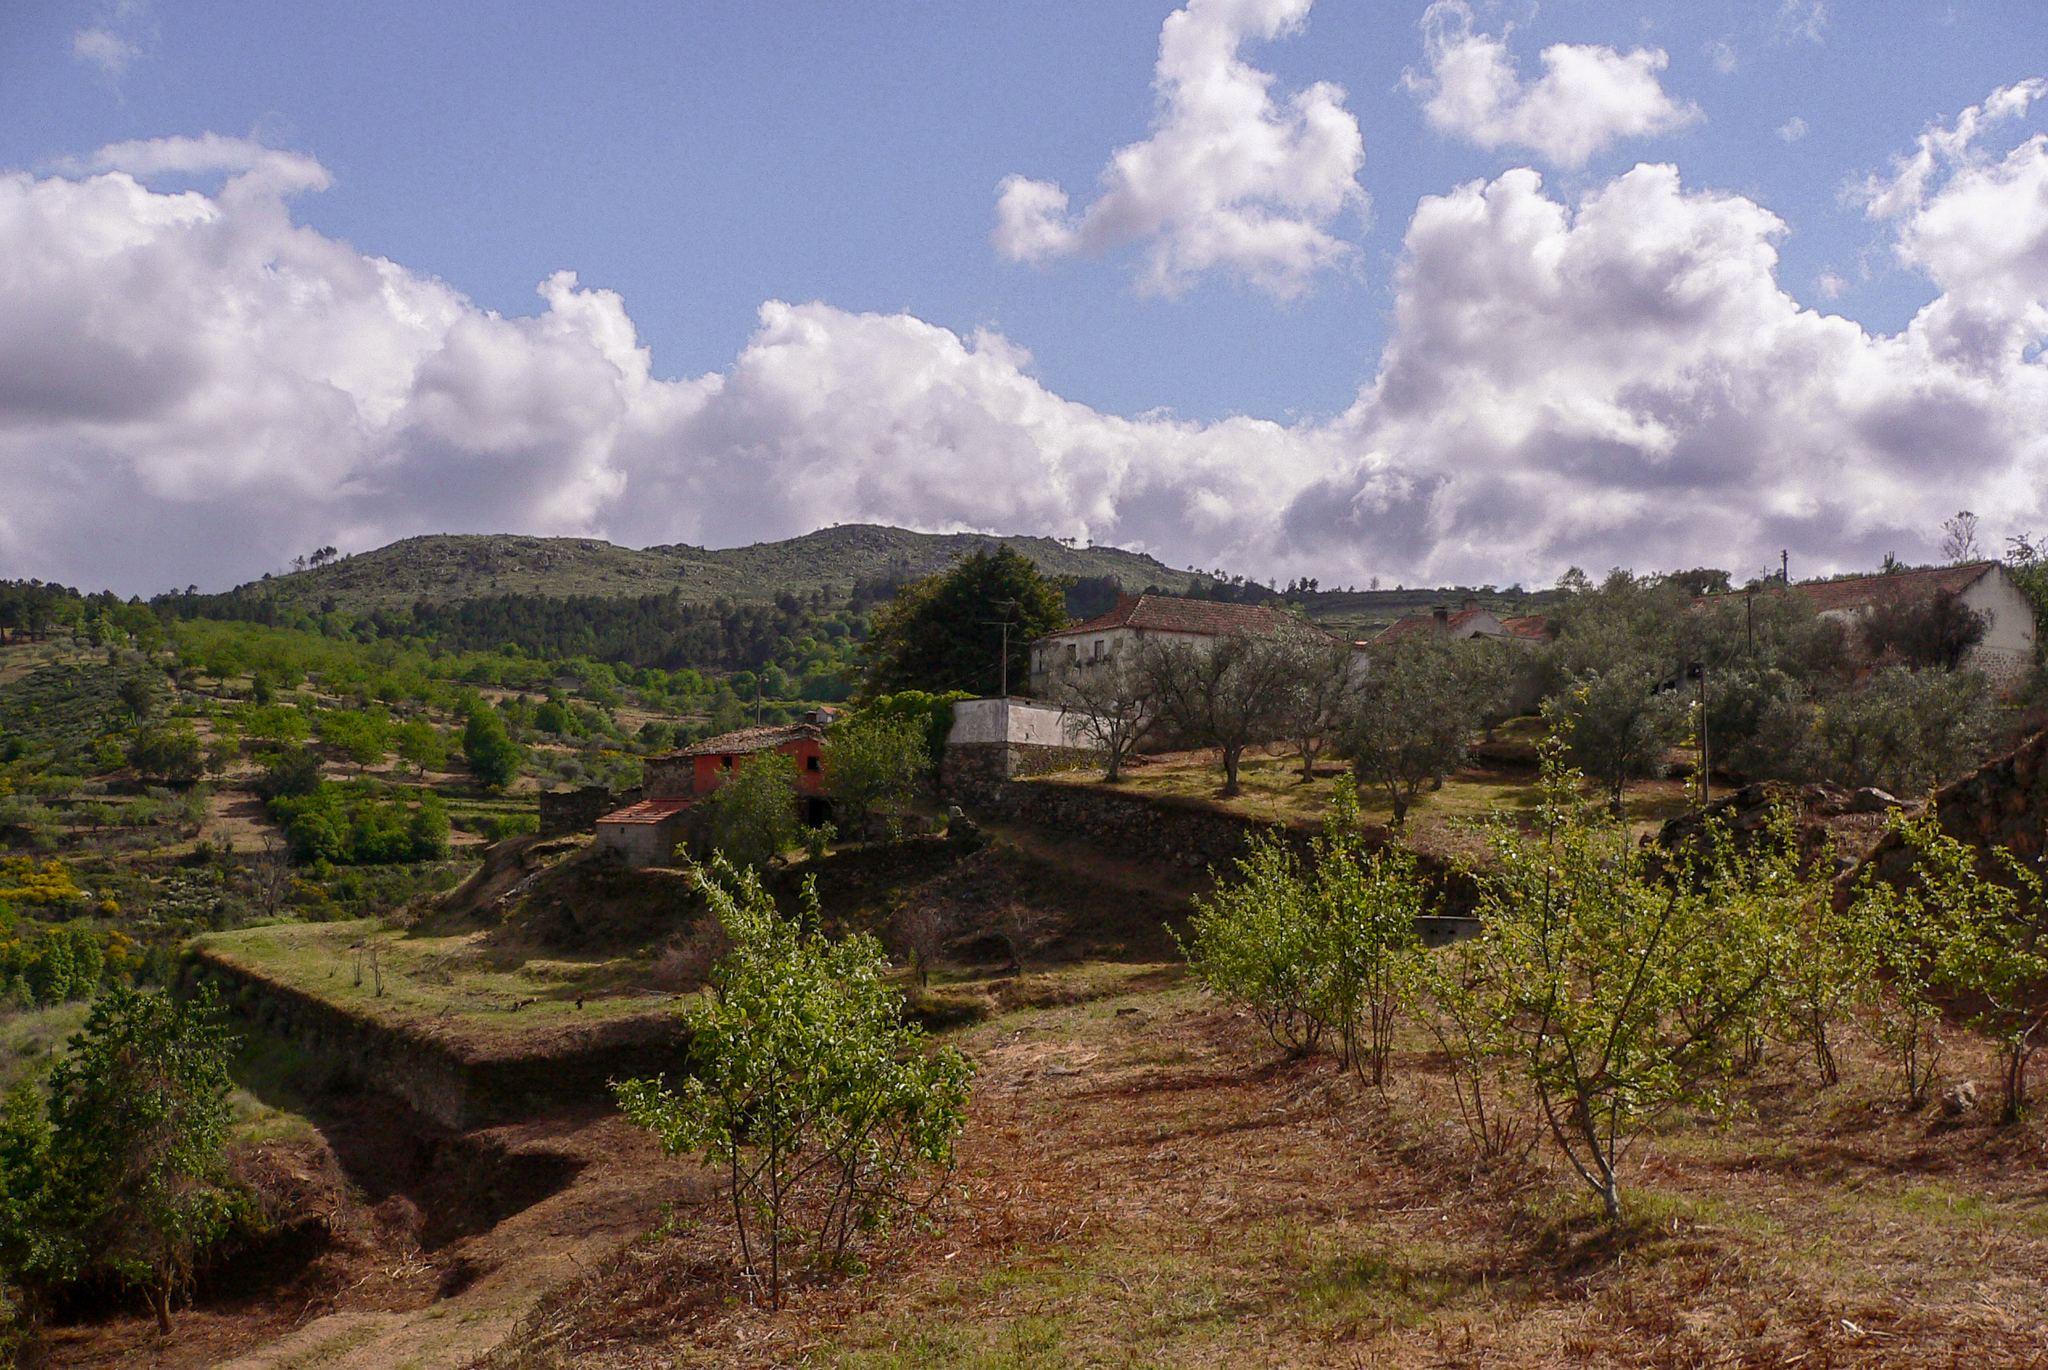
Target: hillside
{"points": [[445, 568]]}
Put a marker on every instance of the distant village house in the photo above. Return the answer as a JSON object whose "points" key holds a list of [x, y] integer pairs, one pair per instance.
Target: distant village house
{"points": [[1141, 618], [2003, 656], [646, 833]]}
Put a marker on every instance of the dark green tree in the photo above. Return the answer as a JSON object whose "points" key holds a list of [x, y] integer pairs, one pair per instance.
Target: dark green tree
{"points": [[946, 632], [170, 753], [493, 756], [137, 1186], [753, 815]]}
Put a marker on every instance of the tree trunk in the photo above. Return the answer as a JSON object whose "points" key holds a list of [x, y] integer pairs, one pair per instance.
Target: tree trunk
{"points": [[160, 1304], [1230, 759]]}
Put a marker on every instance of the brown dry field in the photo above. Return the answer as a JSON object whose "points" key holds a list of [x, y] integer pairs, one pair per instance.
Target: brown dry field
{"points": [[1144, 1181]]}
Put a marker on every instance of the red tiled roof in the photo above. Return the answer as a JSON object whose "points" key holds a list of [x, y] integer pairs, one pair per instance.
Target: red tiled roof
{"points": [[1205, 617], [1534, 627], [746, 740], [648, 811], [1417, 625], [1862, 592]]}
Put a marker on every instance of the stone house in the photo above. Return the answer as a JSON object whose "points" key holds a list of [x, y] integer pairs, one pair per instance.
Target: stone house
{"points": [[2005, 654], [1140, 618], [647, 832]]}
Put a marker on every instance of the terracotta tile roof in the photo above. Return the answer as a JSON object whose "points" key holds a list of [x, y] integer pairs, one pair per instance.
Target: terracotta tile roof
{"points": [[648, 811], [1206, 617], [1413, 626], [746, 740], [1861, 592], [1533, 627]]}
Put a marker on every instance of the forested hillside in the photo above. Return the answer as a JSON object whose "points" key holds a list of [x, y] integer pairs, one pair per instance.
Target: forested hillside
{"points": [[445, 569]]}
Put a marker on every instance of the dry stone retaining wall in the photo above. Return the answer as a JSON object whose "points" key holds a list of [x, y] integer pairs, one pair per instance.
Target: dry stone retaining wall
{"points": [[457, 1087]]}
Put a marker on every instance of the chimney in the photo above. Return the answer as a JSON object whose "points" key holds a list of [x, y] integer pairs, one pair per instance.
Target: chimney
{"points": [[1443, 616], [1471, 603]]}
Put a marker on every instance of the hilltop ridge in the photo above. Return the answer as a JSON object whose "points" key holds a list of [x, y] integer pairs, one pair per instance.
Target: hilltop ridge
{"points": [[446, 567]]}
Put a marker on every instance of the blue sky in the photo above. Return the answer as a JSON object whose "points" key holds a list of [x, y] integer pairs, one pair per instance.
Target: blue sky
{"points": [[1259, 404]]}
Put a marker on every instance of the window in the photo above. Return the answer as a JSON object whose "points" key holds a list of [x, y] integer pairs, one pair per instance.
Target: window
{"points": [[1073, 653], [811, 764], [726, 762], [1098, 649]]}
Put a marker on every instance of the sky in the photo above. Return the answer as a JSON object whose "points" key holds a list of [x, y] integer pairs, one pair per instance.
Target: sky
{"points": [[1427, 293]]}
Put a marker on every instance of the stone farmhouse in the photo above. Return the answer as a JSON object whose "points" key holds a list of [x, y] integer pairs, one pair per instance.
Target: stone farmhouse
{"points": [[646, 832], [1986, 588], [1140, 618]]}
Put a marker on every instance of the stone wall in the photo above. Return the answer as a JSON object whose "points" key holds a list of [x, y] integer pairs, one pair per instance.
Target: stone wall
{"points": [[975, 772], [1176, 831], [565, 811], [2002, 804], [459, 1086]]}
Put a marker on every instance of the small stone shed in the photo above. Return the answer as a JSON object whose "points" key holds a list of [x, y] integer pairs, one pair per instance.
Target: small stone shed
{"points": [[994, 740], [646, 833]]}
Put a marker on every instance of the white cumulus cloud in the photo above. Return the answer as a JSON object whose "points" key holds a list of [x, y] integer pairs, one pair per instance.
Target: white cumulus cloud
{"points": [[1588, 96], [194, 387], [1229, 180]]}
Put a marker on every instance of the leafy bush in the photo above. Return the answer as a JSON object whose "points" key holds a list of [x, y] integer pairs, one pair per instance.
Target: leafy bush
{"points": [[346, 825], [121, 1174], [805, 1090], [1955, 934], [753, 815], [1315, 956]]}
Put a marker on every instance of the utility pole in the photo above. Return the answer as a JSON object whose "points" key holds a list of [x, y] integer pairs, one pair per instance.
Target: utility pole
{"points": [[1706, 756], [1004, 624], [1785, 566]]}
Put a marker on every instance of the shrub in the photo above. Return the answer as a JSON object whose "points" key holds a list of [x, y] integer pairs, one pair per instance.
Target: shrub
{"points": [[753, 815], [1315, 955], [819, 1107], [349, 826], [1619, 984]]}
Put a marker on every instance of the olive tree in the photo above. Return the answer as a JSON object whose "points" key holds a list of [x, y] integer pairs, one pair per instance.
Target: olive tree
{"points": [[1110, 702], [1412, 719], [822, 1108], [1324, 683], [1617, 724], [1230, 693]]}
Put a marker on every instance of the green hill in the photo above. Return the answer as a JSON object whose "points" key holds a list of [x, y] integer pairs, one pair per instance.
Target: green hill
{"points": [[446, 568]]}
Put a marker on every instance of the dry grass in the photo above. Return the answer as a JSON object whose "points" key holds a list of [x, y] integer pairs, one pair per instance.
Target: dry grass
{"points": [[1442, 822], [454, 982], [1144, 1183]]}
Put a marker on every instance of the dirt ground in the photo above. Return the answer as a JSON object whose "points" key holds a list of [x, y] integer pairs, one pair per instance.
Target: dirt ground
{"points": [[407, 1245], [1144, 1182]]}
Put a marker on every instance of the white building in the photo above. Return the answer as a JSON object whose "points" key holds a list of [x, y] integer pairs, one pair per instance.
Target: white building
{"points": [[1141, 618], [2003, 656]]}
